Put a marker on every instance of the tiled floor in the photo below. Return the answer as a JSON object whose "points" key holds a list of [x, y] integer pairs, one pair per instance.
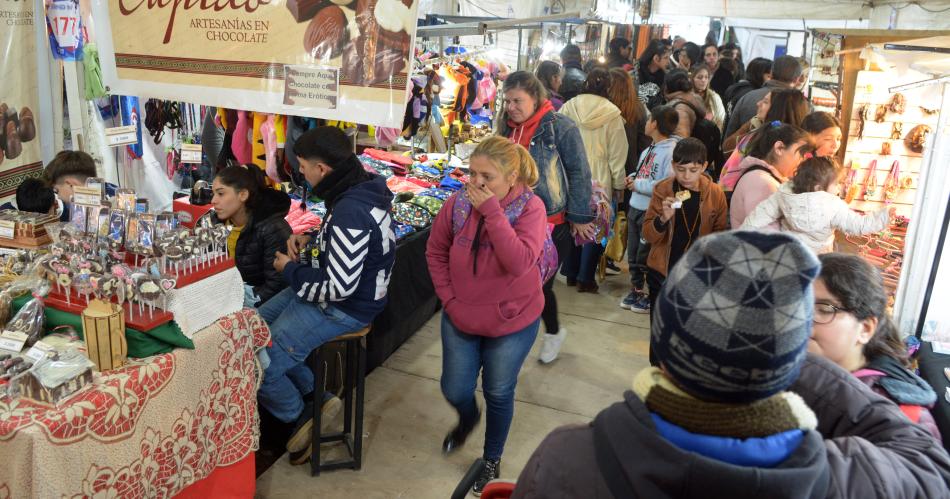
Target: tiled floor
{"points": [[407, 417]]}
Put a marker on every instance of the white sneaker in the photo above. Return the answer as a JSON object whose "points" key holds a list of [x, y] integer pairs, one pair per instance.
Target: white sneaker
{"points": [[552, 346]]}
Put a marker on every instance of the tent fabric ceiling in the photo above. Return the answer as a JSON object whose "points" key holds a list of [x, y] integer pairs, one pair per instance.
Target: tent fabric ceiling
{"points": [[936, 64], [766, 9]]}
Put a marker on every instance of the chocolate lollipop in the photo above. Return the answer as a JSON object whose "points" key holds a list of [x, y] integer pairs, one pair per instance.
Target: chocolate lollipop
{"points": [[167, 285], [149, 290], [204, 241], [65, 280], [106, 286], [188, 248], [221, 234], [84, 286], [174, 254]]}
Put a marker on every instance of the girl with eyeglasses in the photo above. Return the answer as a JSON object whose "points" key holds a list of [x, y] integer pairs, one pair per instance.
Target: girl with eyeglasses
{"points": [[853, 329]]}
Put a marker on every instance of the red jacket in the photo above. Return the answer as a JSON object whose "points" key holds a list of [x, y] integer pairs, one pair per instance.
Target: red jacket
{"points": [[503, 295]]}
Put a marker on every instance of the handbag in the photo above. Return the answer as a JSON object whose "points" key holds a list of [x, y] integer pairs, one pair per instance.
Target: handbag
{"points": [[617, 244]]}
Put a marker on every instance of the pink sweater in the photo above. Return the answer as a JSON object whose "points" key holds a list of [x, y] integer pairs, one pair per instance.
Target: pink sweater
{"points": [[505, 295], [752, 189]]}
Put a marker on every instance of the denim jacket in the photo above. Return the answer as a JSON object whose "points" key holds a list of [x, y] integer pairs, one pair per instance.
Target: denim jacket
{"points": [[564, 174]]}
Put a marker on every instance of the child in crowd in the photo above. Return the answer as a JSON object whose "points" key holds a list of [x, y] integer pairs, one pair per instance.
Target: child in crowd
{"points": [[683, 209], [825, 132], [774, 155], [483, 257], [853, 329], [258, 228], [654, 166], [35, 196], [809, 207]]}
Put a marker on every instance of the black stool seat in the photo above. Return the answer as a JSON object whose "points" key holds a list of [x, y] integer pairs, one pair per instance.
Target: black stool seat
{"points": [[355, 376]]}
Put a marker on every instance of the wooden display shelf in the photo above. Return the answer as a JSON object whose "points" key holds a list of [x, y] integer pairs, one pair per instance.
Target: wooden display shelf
{"points": [[185, 278], [27, 243], [133, 319]]}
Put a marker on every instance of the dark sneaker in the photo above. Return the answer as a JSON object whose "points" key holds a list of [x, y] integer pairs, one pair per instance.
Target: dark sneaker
{"points": [[456, 438], [587, 287], [629, 300], [642, 306], [490, 472], [571, 282], [612, 268]]}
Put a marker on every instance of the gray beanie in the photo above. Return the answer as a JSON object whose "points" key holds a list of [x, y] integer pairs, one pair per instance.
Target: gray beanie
{"points": [[734, 316]]}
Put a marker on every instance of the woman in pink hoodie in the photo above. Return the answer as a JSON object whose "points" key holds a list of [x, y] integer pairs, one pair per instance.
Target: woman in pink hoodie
{"points": [[774, 155], [483, 255]]}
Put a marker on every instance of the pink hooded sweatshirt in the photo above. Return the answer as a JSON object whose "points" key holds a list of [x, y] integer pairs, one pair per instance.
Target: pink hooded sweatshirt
{"points": [[503, 295], [752, 188]]}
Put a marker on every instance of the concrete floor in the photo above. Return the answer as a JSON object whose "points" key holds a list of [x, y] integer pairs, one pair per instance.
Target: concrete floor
{"points": [[407, 417]]}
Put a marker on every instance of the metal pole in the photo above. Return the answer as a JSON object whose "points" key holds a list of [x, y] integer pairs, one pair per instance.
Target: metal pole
{"points": [[520, 31]]}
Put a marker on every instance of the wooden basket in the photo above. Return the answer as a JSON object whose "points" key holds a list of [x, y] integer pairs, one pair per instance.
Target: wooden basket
{"points": [[103, 328]]}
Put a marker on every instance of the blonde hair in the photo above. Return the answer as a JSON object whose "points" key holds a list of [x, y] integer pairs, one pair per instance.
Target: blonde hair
{"points": [[509, 157]]}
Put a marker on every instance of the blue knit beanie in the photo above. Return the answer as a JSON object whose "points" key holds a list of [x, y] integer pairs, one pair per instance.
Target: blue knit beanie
{"points": [[734, 316]]}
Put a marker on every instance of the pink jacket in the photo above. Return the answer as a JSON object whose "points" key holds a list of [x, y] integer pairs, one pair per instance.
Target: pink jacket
{"points": [[505, 295], [751, 189]]}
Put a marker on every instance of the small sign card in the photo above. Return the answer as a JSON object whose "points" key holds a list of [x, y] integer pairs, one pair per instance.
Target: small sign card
{"points": [[88, 196], [12, 341], [191, 153], [121, 136], [311, 86], [8, 229]]}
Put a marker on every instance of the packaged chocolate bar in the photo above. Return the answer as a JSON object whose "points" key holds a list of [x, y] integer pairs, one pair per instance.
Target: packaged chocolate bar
{"points": [[304, 10], [78, 217], [125, 200]]}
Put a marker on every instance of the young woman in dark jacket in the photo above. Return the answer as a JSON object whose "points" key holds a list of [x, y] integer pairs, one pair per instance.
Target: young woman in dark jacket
{"points": [[256, 213]]}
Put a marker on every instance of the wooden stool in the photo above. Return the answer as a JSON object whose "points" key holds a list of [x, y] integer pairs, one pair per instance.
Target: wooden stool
{"points": [[352, 437]]}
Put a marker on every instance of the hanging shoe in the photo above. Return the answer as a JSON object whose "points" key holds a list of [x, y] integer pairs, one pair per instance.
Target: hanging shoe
{"points": [[552, 346]]}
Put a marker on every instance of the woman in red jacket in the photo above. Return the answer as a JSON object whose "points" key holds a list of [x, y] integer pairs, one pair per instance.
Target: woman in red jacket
{"points": [[853, 329], [483, 255]]}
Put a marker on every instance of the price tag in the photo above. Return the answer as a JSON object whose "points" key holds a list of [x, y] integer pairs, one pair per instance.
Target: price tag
{"points": [[191, 153], [39, 351], [8, 229], [12, 341], [121, 135], [88, 196]]}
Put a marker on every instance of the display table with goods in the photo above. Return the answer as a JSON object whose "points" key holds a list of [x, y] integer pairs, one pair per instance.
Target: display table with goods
{"points": [[129, 367]]}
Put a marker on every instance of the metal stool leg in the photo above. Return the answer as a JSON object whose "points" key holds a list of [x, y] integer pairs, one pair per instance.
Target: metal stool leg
{"points": [[349, 359], [315, 436], [360, 393]]}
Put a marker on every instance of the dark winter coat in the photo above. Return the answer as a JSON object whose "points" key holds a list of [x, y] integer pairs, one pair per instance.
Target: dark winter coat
{"points": [[265, 233], [572, 84]]}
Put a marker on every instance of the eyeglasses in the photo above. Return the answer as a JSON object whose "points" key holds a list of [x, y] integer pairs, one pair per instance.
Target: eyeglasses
{"points": [[825, 313]]}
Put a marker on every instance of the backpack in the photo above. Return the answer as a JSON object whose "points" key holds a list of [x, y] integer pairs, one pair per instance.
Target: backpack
{"points": [[547, 264], [709, 134]]}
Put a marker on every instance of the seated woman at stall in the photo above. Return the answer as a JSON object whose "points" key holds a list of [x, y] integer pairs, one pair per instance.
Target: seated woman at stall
{"points": [[256, 214], [853, 329]]}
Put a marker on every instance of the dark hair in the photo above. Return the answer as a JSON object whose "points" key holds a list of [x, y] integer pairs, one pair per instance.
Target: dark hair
{"points": [[729, 65], [786, 69], [655, 48], [571, 53], [815, 171], [598, 82], [756, 70], [527, 82], [694, 53], [706, 46], [860, 290], [666, 118], [70, 164], [677, 80], [616, 45], [547, 70], [329, 145], [34, 196], [248, 178], [788, 106], [819, 121], [764, 141], [689, 150]]}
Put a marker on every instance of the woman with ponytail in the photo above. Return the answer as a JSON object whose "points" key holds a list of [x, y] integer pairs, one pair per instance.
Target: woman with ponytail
{"points": [[256, 214], [605, 142], [483, 255], [853, 330]]}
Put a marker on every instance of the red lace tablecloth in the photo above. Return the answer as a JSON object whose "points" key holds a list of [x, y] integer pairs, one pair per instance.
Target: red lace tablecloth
{"points": [[149, 429]]}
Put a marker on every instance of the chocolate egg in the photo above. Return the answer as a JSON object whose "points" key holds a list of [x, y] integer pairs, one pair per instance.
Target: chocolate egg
{"points": [[27, 128], [327, 34], [13, 147]]}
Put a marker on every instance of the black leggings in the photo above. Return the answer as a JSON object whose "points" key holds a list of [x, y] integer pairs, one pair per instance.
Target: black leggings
{"points": [[654, 283], [563, 242]]}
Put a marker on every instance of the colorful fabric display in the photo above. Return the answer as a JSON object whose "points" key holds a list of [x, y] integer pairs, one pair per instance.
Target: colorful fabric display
{"points": [[411, 214], [403, 230], [429, 203]]}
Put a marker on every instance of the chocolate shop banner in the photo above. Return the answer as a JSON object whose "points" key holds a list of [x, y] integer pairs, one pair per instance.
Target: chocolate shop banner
{"points": [[20, 154], [333, 59]]}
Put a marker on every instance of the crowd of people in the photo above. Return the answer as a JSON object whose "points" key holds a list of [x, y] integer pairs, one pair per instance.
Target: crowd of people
{"points": [[764, 342]]}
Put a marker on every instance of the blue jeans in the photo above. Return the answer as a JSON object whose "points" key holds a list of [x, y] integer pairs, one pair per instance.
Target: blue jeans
{"points": [[463, 356], [582, 263], [297, 328]]}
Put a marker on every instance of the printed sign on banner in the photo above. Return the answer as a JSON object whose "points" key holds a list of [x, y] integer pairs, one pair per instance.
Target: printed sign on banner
{"points": [[20, 154], [357, 54]]}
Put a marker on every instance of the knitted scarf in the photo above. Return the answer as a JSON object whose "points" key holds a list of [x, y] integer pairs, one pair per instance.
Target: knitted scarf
{"points": [[781, 412], [522, 133]]}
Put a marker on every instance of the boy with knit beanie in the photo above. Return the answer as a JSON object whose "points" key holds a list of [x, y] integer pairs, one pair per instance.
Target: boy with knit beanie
{"points": [[719, 417], [715, 417]]}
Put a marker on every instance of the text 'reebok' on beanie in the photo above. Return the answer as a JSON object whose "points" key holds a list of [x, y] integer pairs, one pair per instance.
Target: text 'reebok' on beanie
{"points": [[734, 316]]}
